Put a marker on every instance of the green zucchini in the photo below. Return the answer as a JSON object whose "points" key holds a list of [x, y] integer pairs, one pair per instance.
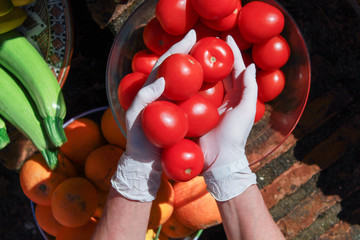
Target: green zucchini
{"points": [[22, 59], [17, 107], [4, 137]]}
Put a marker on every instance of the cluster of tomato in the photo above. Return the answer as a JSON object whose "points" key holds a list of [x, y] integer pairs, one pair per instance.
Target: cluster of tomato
{"points": [[193, 88]]}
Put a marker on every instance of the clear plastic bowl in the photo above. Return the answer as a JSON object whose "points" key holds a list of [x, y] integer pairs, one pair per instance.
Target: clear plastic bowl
{"points": [[282, 114]]}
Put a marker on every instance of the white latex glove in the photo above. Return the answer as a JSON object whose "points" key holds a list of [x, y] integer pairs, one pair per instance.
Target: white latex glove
{"points": [[227, 173], [138, 174]]}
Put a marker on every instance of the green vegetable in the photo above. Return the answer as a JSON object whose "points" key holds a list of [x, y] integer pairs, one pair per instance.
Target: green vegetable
{"points": [[4, 137], [17, 108], [21, 58]]}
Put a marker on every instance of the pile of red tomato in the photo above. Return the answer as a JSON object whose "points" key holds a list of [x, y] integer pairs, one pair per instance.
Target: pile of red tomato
{"points": [[193, 81]]}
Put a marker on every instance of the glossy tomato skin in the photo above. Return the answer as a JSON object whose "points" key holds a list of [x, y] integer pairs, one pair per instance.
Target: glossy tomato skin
{"points": [[201, 113], [260, 110], [214, 92], [225, 23], [270, 84], [271, 54], [183, 161], [157, 39], [259, 21], [129, 87], [176, 17], [214, 9], [183, 76], [143, 61], [215, 57], [164, 123], [238, 38]]}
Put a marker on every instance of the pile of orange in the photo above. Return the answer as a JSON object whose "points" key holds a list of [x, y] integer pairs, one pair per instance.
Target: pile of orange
{"points": [[70, 199]]}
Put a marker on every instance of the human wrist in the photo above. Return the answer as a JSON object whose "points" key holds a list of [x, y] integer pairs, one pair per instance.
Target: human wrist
{"points": [[229, 181]]}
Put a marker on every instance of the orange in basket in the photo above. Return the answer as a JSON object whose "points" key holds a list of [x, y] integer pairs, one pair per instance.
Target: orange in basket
{"points": [[83, 136], [175, 229], [78, 233], [37, 181], [163, 205], [46, 220], [101, 164], [194, 206], [111, 130], [74, 202]]}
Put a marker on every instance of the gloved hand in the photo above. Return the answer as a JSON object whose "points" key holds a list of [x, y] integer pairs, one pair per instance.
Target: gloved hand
{"points": [[139, 170], [226, 171]]}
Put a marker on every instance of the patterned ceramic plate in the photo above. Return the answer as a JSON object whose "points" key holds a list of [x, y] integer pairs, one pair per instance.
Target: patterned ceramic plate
{"points": [[49, 28]]}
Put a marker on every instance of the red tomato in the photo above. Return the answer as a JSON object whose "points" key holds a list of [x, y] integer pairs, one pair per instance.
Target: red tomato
{"points": [[214, 92], [215, 57], [214, 9], [176, 17], [164, 123], [260, 110], [129, 87], [240, 41], [271, 54], [201, 113], [143, 61], [259, 21], [225, 23], [183, 161], [183, 76], [203, 31], [270, 84], [157, 39]]}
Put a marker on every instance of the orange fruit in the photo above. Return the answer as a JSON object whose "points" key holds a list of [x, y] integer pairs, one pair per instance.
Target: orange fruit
{"points": [[46, 220], [65, 166], [101, 164], [194, 206], [74, 202], [175, 229], [84, 232], [37, 181], [83, 136], [163, 205], [111, 130]]}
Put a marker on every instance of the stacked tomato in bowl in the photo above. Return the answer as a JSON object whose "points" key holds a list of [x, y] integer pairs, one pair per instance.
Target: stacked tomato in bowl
{"points": [[264, 33]]}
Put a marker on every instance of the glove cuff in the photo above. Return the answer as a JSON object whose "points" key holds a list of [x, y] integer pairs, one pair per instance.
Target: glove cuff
{"points": [[134, 181], [224, 186]]}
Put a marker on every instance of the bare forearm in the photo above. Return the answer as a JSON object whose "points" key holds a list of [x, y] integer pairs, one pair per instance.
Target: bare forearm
{"points": [[247, 217], [123, 219]]}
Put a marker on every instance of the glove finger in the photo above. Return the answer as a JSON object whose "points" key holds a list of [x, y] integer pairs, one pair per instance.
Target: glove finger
{"points": [[183, 46], [145, 96], [239, 65], [249, 96]]}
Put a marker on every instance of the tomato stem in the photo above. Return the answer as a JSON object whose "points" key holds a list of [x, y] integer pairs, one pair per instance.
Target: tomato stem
{"points": [[188, 171], [213, 59]]}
